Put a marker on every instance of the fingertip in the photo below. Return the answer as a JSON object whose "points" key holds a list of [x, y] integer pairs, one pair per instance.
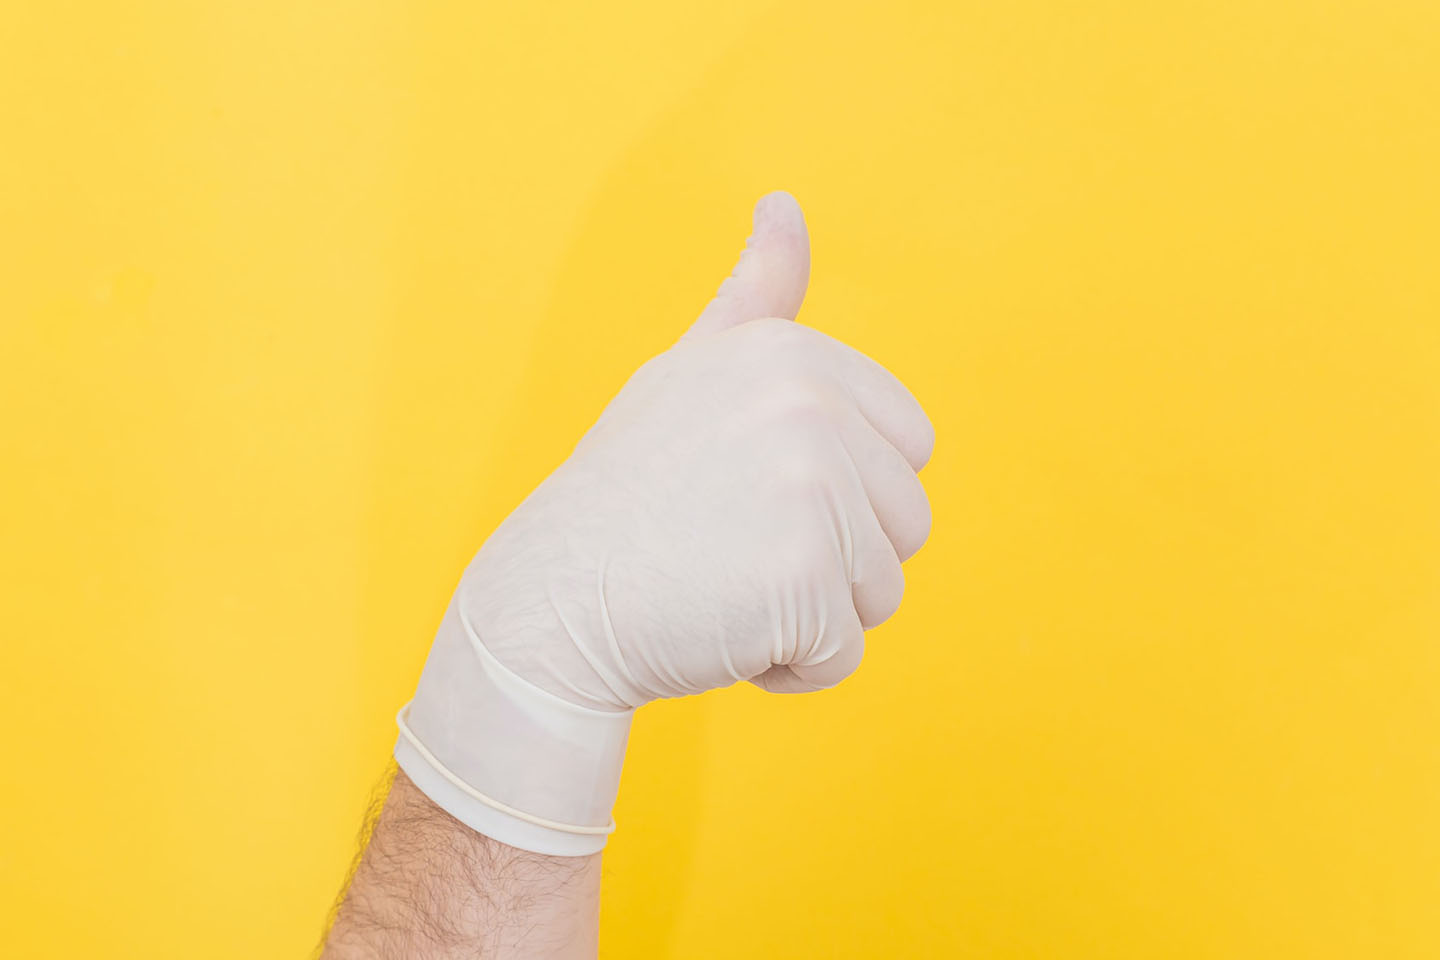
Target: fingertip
{"points": [[777, 205], [773, 271]]}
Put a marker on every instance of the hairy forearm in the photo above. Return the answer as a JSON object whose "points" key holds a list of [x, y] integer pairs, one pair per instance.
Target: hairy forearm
{"points": [[429, 887]]}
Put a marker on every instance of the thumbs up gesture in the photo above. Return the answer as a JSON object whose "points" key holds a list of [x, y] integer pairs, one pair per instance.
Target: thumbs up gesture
{"points": [[739, 511]]}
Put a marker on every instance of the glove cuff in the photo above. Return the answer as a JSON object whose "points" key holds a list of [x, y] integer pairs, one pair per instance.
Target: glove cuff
{"points": [[506, 758]]}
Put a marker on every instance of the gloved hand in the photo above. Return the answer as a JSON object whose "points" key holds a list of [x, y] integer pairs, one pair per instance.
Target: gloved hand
{"points": [[738, 512]]}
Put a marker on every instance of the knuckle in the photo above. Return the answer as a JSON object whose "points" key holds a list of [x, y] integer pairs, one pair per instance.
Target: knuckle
{"points": [[785, 342], [800, 401], [803, 467], [774, 330], [920, 527], [889, 607], [793, 558], [811, 556], [878, 595], [925, 440]]}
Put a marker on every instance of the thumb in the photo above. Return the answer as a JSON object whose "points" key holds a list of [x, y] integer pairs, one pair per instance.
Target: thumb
{"points": [[773, 271]]}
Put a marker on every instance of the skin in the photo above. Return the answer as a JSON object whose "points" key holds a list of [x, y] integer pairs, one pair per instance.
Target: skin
{"points": [[429, 887]]}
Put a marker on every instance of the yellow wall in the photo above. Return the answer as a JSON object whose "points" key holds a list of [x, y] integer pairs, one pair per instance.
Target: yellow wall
{"points": [[298, 300]]}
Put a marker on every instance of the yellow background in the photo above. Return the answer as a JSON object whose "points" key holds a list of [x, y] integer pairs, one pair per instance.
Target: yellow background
{"points": [[299, 300]]}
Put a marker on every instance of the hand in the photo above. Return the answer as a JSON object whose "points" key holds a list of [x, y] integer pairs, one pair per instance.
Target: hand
{"points": [[739, 511]]}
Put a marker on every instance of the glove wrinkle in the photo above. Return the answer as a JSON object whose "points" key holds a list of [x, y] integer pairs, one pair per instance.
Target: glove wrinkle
{"points": [[637, 695], [613, 684], [740, 510]]}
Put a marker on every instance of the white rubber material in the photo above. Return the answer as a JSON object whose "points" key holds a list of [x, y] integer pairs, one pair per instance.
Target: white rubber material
{"points": [[738, 512], [506, 758]]}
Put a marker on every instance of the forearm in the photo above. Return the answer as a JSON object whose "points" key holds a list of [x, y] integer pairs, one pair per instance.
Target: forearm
{"points": [[739, 512], [429, 887]]}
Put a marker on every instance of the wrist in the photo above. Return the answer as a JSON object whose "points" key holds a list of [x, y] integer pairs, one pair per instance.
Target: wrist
{"points": [[506, 758]]}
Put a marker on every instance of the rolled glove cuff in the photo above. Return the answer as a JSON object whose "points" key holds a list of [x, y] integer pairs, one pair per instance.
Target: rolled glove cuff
{"points": [[506, 758]]}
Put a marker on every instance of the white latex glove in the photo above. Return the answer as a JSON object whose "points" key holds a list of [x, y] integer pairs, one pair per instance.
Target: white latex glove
{"points": [[738, 512]]}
